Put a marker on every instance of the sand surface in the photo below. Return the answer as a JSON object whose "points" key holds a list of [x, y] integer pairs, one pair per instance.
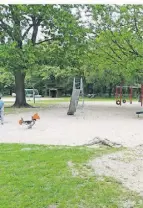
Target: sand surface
{"points": [[125, 166], [99, 119]]}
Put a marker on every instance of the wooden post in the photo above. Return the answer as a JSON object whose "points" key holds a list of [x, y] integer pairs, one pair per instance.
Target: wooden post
{"points": [[33, 95], [116, 94], [120, 95], [131, 94]]}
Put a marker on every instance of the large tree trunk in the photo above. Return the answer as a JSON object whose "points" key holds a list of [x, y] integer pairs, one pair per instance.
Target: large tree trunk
{"points": [[20, 90]]}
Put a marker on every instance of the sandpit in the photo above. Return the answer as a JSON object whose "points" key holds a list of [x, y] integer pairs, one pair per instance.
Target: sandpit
{"points": [[99, 119]]}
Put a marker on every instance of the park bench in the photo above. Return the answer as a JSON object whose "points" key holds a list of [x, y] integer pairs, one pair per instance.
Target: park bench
{"points": [[139, 112]]}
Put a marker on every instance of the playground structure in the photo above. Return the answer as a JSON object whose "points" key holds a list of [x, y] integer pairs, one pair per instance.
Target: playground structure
{"points": [[120, 97], [76, 92]]}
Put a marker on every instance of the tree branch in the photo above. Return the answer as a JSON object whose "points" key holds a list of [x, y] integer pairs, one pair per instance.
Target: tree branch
{"points": [[36, 24], [6, 27], [26, 32], [109, 55], [46, 40], [132, 51], [120, 47], [136, 26], [114, 52], [132, 48]]}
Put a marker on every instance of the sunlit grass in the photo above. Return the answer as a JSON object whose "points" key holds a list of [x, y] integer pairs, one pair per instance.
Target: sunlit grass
{"points": [[35, 176]]}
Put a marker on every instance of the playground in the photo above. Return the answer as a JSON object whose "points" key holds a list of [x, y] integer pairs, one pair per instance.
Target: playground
{"points": [[97, 119], [71, 105]]}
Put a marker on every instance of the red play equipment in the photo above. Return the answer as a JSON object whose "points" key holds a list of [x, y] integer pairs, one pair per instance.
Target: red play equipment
{"points": [[119, 94]]}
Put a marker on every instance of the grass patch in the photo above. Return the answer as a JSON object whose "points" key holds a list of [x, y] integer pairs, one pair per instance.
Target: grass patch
{"points": [[37, 176], [39, 104]]}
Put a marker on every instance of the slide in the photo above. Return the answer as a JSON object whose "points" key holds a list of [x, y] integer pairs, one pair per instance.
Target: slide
{"points": [[73, 102]]}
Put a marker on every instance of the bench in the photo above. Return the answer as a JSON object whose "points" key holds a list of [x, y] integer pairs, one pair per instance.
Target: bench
{"points": [[139, 112]]}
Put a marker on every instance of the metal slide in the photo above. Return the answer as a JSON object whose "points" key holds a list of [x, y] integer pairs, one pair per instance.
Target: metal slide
{"points": [[73, 102], [77, 90]]}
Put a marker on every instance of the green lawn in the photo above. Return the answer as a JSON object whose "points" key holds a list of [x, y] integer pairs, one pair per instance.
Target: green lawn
{"points": [[38, 104], [33, 176]]}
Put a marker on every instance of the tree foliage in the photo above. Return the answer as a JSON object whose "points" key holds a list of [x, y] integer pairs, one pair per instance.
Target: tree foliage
{"points": [[32, 35], [43, 41]]}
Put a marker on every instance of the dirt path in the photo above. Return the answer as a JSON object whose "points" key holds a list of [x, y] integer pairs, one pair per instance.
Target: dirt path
{"points": [[126, 167], [99, 119]]}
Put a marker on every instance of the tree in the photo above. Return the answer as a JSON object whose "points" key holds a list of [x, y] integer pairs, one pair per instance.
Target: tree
{"points": [[117, 39], [22, 43]]}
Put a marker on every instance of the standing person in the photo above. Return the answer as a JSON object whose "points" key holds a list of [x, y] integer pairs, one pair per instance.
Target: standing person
{"points": [[1, 111]]}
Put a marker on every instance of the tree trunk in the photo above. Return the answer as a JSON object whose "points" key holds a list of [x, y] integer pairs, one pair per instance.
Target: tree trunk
{"points": [[10, 91], [110, 90], [46, 88], [20, 90]]}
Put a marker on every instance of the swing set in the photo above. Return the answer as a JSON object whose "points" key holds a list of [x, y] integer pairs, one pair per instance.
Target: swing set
{"points": [[120, 97]]}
